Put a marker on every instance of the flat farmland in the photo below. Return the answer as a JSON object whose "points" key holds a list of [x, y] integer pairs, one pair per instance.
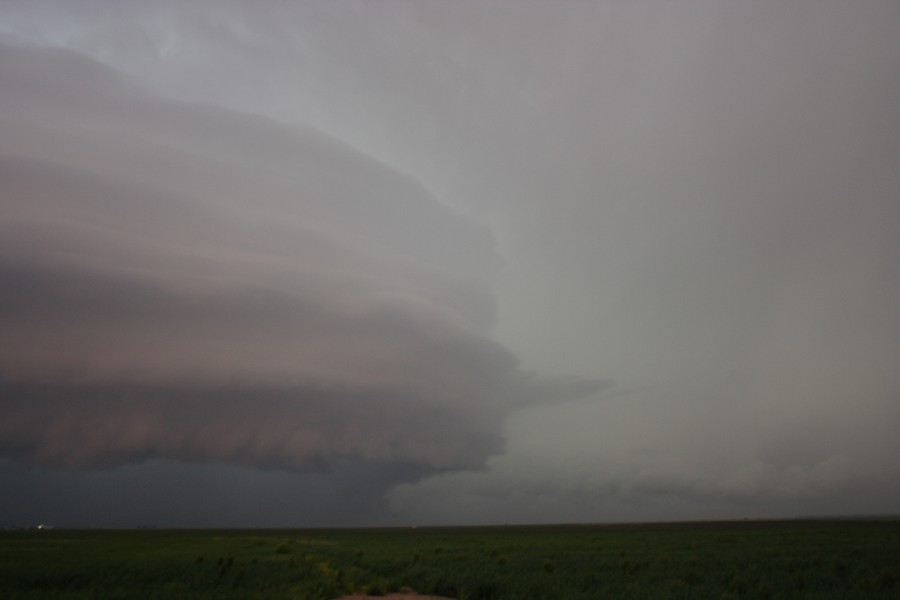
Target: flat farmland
{"points": [[848, 559]]}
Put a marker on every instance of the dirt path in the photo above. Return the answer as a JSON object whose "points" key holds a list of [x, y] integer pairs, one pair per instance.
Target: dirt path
{"points": [[394, 597]]}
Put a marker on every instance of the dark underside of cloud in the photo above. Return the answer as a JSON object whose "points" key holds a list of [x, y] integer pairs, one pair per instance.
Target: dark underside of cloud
{"points": [[189, 283]]}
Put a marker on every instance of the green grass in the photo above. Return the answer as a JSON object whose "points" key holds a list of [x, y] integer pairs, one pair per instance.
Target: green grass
{"points": [[847, 559]]}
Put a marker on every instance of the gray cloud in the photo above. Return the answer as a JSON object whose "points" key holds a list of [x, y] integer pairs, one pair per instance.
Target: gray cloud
{"points": [[697, 201], [184, 494], [196, 284]]}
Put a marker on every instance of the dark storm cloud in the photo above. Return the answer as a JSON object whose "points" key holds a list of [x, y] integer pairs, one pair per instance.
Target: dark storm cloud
{"points": [[697, 199], [168, 493], [190, 283]]}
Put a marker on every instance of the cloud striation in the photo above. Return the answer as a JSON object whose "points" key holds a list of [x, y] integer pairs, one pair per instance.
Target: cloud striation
{"points": [[192, 283]]}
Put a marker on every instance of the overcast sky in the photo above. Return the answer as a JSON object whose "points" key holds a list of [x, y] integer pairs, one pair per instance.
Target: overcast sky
{"points": [[412, 262]]}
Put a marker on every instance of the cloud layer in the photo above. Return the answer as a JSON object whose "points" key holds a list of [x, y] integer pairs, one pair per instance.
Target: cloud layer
{"points": [[192, 283], [698, 201]]}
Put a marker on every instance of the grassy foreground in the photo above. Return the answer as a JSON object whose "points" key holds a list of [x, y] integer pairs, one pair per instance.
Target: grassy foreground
{"points": [[850, 559]]}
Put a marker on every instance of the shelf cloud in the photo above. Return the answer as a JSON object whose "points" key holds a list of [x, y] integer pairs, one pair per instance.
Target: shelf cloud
{"points": [[192, 283], [471, 261]]}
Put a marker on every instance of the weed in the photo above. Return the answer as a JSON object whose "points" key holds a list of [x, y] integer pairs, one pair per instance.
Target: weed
{"points": [[283, 548]]}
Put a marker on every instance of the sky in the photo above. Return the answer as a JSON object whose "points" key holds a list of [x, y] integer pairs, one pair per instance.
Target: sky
{"points": [[419, 262]]}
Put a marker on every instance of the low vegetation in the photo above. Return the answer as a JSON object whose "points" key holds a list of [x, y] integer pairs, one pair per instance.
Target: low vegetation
{"points": [[847, 559]]}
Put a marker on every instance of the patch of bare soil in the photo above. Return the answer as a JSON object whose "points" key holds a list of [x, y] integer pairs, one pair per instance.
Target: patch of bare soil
{"points": [[404, 596]]}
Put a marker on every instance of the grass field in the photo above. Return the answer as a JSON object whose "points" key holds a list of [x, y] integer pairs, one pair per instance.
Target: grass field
{"points": [[852, 559]]}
